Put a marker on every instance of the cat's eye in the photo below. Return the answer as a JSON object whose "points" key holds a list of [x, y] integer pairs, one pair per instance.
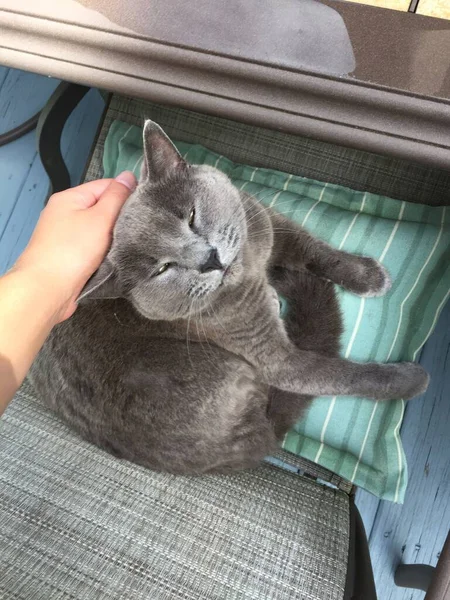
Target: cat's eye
{"points": [[191, 217], [162, 268]]}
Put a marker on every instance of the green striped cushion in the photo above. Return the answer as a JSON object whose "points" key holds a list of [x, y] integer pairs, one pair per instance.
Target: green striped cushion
{"points": [[354, 437]]}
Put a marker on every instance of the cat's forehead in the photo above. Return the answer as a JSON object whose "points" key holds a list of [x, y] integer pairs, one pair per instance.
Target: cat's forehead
{"points": [[145, 220], [211, 182], [165, 208], [179, 194], [173, 195]]}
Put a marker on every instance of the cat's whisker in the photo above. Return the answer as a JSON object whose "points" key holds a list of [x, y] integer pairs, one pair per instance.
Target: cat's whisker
{"points": [[297, 211], [238, 208], [217, 318], [200, 339], [266, 231], [259, 212], [264, 208], [206, 337], [259, 200], [118, 320], [263, 196], [187, 334]]}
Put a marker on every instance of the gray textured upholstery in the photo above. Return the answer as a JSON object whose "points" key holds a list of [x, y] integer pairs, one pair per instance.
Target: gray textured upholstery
{"points": [[77, 523], [266, 148]]}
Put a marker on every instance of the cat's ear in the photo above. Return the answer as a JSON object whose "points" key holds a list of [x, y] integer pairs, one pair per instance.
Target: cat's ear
{"points": [[161, 158], [102, 285]]}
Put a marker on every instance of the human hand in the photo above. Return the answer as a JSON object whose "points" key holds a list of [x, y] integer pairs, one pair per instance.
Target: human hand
{"points": [[71, 239]]}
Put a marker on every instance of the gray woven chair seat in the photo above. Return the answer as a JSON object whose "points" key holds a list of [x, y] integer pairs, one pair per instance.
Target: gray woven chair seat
{"points": [[78, 523]]}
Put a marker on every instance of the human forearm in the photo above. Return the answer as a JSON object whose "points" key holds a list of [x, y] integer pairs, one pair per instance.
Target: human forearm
{"points": [[29, 310], [71, 239]]}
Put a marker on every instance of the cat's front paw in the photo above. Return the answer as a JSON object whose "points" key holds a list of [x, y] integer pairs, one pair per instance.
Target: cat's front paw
{"points": [[369, 278], [407, 380]]}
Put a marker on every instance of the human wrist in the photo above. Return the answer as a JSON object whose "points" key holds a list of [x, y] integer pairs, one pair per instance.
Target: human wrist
{"points": [[49, 297]]}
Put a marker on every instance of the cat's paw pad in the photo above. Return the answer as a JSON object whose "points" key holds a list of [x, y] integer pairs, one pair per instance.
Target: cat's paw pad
{"points": [[373, 280], [409, 380]]}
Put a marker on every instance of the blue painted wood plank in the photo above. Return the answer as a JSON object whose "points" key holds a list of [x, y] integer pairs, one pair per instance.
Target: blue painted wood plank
{"points": [[24, 215], [27, 182], [3, 74], [78, 137], [21, 96], [416, 531]]}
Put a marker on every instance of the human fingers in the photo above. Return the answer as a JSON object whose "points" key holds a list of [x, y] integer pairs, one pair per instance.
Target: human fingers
{"points": [[82, 196], [115, 195]]}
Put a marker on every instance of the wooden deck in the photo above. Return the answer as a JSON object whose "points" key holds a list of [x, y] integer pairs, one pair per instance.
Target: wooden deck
{"points": [[413, 532], [25, 182], [416, 531]]}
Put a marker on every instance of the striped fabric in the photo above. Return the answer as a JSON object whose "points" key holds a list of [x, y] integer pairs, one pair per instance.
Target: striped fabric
{"points": [[354, 437]]}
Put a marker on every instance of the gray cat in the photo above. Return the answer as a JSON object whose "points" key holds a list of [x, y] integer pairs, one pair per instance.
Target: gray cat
{"points": [[177, 358]]}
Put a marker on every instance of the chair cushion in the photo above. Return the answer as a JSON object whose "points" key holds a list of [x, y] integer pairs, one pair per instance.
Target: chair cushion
{"points": [[78, 523], [354, 437]]}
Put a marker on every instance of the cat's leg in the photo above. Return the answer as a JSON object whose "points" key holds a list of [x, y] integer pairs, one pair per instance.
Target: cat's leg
{"points": [[285, 409], [281, 364], [317, 375], [294, 248], [312, 323]]}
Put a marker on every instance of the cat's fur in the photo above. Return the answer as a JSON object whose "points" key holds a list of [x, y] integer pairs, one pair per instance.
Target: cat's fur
{"points": [[192, 370]]}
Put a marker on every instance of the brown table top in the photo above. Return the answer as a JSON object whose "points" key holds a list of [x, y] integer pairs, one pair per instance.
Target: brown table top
{"points": [[334, 70]]}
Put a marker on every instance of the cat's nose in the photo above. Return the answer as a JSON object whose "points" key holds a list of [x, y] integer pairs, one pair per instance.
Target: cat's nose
{"points": [[212, 263]]}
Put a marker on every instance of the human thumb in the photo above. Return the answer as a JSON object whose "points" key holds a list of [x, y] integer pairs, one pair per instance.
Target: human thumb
{"points": [[115, 195]]}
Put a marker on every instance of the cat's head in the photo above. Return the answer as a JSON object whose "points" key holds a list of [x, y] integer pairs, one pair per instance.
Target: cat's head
{"points": [[178, 239]]}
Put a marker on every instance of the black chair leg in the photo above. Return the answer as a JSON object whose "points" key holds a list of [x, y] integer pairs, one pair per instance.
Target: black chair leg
{"points": [[360, 581], [49, 130], [417, 577], [433, 580]]}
